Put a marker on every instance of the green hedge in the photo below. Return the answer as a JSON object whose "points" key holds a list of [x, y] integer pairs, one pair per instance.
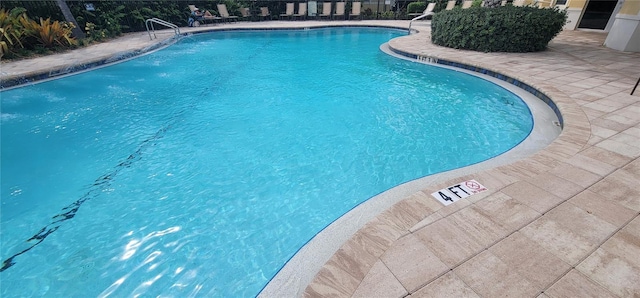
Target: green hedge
{"points": [[415, 7], [501, 29]]}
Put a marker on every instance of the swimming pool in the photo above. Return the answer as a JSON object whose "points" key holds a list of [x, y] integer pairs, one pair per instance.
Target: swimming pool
{"points": [[200, 169]]}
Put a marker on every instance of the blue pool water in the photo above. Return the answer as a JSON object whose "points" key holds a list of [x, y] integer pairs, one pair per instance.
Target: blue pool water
{"points": [[200, 169]]}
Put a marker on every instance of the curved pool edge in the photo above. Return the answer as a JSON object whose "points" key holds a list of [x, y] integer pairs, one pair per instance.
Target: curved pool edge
{"points": [[16, 77], [11, 81], [378, 216]]}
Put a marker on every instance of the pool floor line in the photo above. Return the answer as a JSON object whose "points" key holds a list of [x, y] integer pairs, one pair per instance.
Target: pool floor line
{"points": [[95, 189]]}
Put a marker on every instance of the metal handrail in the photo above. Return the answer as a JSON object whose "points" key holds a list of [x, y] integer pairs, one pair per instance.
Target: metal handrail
{"points": [[418, 18], [175, 28]]}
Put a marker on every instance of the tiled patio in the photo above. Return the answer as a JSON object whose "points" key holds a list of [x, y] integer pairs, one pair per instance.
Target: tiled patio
{"points": [[560, 223]]}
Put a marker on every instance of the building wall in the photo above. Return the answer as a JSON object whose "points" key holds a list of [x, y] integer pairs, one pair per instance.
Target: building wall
{"points": [[630, 7], [574, 11], [625, 32]]}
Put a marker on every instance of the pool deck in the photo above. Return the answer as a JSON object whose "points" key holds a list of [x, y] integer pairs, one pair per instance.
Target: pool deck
{"points": [[563, 222]]}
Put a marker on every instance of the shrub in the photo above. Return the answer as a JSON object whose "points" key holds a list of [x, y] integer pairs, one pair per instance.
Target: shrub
{"points": [[49, 33], [387, 15], [368, 13], [233, 7], [20, 35], [501, 29], [440, 5], [11, 32], [104, 22], [415, 7]]}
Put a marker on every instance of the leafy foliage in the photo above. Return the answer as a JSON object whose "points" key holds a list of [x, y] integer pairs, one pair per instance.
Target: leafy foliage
{"points": [[49, 33], [11, 33], [501, 29], [492, 3], [232, 7], [387, 15], [105, 21], [441, 4], [20, 33]]}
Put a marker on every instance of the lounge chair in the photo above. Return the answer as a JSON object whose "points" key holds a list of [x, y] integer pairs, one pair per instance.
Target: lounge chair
{"points": [[202, 19], [222, 10], [302, 11], [450, 5], [466, 4], [427, 11], [289, 11], [326, 10], [339, 10], [264, 13], [208, 16], [245, 13], [355, 9]]}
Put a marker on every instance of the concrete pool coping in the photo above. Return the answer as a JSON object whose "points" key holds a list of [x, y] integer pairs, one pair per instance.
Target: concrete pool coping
{"points": [[560, 221]]}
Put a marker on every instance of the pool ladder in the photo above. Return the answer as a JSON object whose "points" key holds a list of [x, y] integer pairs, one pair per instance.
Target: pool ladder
{"points": [[417, 18], [151, 21]]}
